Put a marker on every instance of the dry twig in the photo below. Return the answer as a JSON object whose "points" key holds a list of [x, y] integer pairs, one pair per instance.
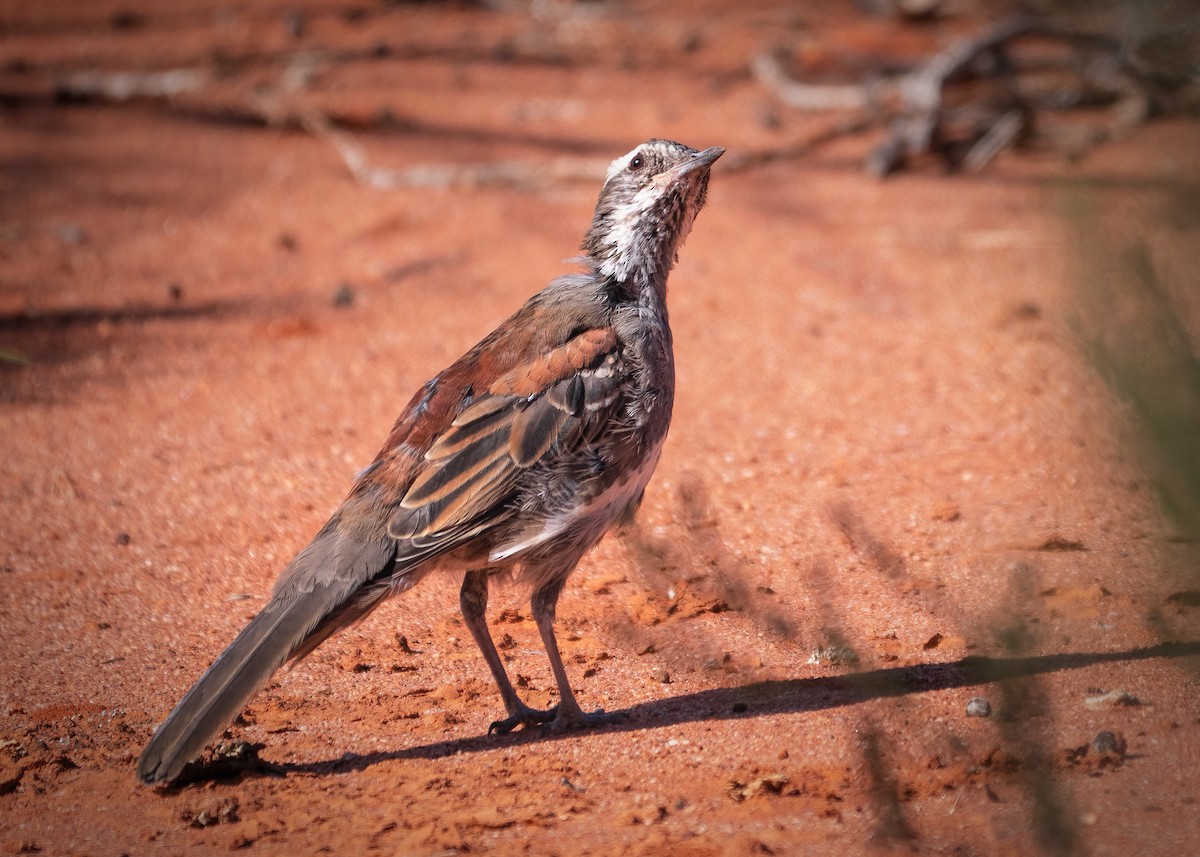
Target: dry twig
{"points": [[921, 118]]}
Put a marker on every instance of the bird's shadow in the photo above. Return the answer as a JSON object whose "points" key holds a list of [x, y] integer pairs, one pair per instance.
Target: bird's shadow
{"points": [[787, 696]]}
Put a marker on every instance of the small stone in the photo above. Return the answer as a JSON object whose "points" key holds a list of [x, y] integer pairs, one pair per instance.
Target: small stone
{"points": [[343, 296], [979, 707], [1109, 746], [662, 676], [123, 539], [220, 813]]}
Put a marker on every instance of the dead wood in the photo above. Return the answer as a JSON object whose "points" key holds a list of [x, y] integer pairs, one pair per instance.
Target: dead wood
{"points": [[972, 100]]}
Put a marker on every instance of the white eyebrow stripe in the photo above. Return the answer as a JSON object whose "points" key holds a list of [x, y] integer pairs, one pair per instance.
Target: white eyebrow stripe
{"points": [[619, 164]]}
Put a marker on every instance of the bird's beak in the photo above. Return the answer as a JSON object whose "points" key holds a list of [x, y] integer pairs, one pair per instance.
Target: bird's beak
{"points": [[699, 161]]}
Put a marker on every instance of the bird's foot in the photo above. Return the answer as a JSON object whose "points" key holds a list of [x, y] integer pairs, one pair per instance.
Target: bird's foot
{"points": [[525, 717]]}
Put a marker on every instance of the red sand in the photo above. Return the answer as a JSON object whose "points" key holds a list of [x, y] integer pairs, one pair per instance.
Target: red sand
{"points": [[887, 440]]}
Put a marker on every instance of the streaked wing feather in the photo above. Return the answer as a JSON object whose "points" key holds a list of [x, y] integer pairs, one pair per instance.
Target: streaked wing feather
{"points": [[474, 465], [536, 428], [449, 474]]}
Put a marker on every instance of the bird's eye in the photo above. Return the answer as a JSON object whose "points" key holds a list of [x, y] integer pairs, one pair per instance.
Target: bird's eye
{"points": [[636, 163]]}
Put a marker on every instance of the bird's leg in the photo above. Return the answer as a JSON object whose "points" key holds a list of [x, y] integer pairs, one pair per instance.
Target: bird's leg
{"points": [[570, 715], [472, 599]]}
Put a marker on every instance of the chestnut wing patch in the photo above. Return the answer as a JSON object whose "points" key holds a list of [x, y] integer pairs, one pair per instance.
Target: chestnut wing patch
{"points": [[550, 406]]}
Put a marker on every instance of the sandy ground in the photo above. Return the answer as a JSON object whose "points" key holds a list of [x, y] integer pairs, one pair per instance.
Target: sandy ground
{"points": [[895, 482]]}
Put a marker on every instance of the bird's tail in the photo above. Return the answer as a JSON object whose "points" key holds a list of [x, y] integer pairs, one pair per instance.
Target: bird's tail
{"points": [[327, 587]]}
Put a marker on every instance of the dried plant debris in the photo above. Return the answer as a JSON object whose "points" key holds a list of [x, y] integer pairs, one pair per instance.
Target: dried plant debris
{"points": [[982, 94], [1111, 699], [833, 655], [766, 784]]}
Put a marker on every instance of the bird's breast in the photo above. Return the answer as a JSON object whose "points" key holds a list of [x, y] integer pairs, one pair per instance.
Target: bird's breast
{"points": [[586, 521]]}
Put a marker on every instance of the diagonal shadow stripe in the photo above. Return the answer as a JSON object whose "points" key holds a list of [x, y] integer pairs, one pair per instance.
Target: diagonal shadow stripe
{"points": [[89, 315], [787, 696]]}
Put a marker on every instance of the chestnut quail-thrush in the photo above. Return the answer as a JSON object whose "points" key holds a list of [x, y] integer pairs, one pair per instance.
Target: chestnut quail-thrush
{"points": [[518, 457]]}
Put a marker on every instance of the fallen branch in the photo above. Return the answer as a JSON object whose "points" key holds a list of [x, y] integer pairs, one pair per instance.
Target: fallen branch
{"points": [[520, 174], [121, 86], [798, 95], [276, 108], [919, 118]]}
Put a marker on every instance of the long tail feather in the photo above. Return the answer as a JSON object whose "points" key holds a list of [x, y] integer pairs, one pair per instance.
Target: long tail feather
{"points": [[318, 584]]}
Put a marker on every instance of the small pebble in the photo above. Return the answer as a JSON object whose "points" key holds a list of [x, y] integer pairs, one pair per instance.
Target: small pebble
{"points": [[979, 707], [662, 676], [343, 296], [1109, 745]]}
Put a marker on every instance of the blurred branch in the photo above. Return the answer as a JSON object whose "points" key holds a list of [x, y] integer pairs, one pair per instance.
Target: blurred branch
{"points": [[996, 98], [118, 86], [520, 174]]}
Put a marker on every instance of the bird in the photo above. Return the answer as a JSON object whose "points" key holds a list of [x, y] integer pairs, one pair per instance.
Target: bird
{"points": [[515, 460]]}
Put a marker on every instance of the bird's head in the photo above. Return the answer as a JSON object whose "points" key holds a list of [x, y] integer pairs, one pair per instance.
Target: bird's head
{"points": [[650, 199]]}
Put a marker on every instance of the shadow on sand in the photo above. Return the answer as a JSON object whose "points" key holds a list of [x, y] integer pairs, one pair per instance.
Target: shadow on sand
{"points": [[789, 696]]}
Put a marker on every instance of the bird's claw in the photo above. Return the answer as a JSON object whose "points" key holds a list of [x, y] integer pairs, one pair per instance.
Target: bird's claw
{"points": [[525, 717]]}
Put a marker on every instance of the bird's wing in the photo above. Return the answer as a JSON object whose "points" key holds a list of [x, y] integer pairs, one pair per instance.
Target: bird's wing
{"points": [[543, 410], [536, 410]]}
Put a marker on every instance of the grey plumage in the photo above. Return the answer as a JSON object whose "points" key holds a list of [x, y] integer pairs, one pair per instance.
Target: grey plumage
{"points": [[321, 579], [520, 455]]}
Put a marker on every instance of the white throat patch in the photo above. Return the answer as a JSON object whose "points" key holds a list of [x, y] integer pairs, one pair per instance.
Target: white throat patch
{"points": [[619, 261]]}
